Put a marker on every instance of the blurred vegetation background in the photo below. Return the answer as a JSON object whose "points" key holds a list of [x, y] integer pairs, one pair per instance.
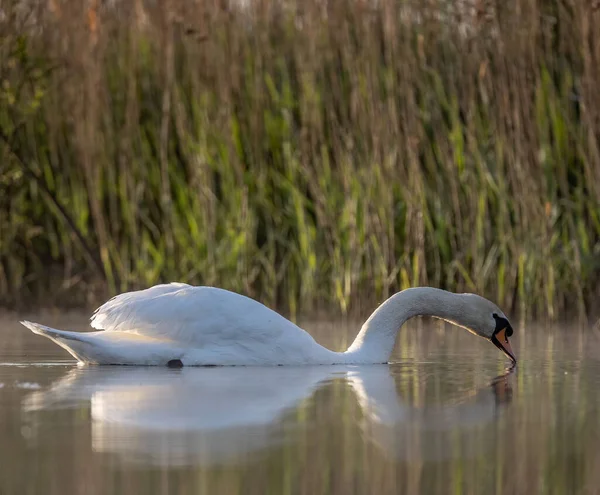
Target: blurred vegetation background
{"points": [[311, 154]]}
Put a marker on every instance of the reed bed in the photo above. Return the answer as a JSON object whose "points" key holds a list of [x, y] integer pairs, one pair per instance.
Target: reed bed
{"points": [[312, 154]]}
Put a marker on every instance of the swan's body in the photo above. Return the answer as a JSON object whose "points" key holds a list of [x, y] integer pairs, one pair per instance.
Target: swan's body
{"points": [[200, 326]]}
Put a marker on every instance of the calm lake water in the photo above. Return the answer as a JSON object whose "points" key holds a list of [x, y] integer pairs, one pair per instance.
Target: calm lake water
{"points": [[445, 418]]}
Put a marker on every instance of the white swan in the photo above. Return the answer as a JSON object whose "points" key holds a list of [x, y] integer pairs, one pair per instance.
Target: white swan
{"points": [[178, 324]]}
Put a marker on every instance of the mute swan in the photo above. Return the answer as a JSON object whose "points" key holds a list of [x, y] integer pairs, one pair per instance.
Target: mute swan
{"points": [[178, 324]]}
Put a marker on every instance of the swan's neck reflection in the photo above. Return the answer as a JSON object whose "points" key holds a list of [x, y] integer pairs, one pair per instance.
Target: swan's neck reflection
{"points": [[220, 415], [428, 433]]}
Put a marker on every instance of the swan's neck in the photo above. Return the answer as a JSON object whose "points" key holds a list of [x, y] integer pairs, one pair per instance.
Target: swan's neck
{"points": [[375, 341]]}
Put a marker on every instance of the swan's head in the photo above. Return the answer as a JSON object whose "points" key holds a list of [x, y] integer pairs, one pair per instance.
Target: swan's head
{"points": [[484, 318]]}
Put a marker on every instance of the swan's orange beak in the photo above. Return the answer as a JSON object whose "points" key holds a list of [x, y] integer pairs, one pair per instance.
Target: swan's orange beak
{"points": [[500, 340]]}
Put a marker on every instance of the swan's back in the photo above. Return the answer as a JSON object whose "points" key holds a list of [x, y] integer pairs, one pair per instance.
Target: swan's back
{"points": [[197, 316]]}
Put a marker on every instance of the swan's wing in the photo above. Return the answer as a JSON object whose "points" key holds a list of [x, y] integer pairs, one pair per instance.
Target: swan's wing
{"points": [[124, 310], [194, 315]]}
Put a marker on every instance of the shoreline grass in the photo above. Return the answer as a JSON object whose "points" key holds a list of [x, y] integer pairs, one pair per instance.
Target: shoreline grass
{"points": [[308, 154]]}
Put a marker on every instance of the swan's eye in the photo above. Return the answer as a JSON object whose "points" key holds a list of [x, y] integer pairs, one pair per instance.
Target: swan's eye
{"points": [[509, 331], [495, 316]]}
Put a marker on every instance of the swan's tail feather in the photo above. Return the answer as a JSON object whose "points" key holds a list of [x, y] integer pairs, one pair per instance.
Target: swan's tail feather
{"points": [[110, 347], [41, 329], [74, 342]]}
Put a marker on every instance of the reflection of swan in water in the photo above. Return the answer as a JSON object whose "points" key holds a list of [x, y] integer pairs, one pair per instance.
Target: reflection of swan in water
{"points": [[219, 415]]}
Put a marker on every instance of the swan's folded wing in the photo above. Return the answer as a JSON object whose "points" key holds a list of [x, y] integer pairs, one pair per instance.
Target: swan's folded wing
{"points": [[194, 315], [126, 311]]}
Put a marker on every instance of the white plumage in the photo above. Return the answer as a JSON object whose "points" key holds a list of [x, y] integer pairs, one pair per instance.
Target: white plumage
{"points": [[211, 326]]}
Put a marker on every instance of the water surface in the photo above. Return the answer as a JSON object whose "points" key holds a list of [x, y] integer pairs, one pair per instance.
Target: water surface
{"points": [[444, 418]]}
